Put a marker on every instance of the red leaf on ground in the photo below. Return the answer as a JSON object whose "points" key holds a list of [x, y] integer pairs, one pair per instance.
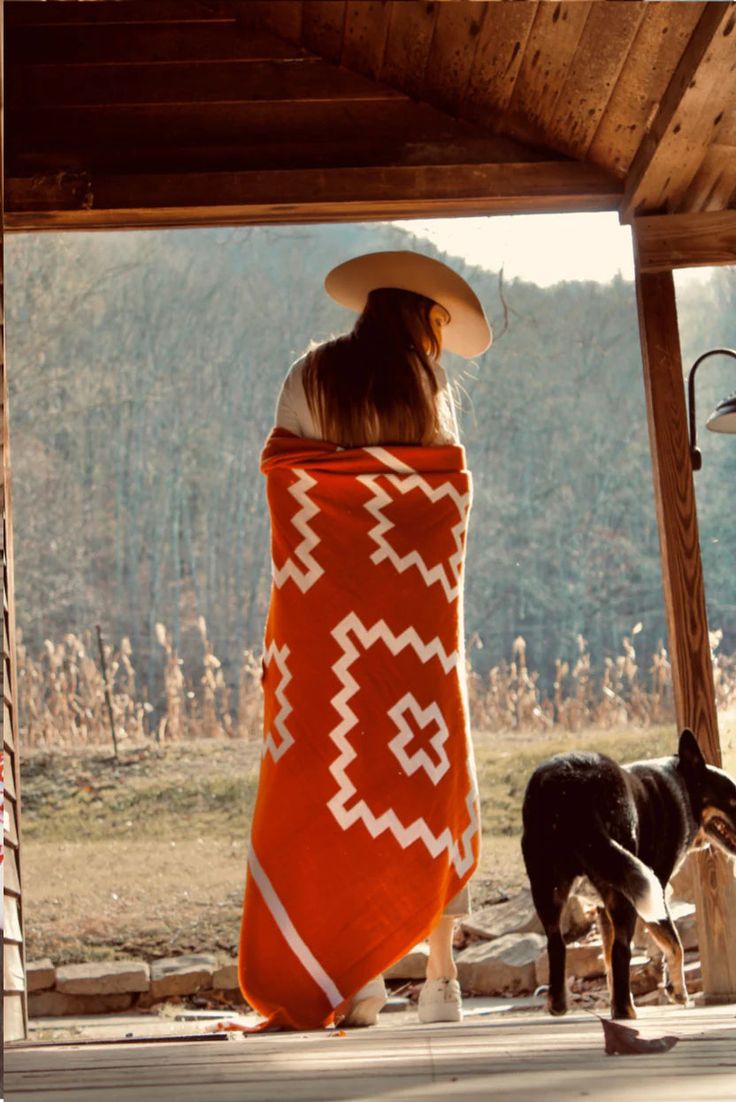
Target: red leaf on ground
{"points": [[622, 1040]]}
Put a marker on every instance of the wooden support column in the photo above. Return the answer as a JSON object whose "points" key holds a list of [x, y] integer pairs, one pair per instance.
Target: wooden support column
{"points": [[684, 597], [15, 1007]]}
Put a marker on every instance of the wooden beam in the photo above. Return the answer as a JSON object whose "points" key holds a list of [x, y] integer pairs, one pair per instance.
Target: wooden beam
{"points": [[684, 599], [688, 118], [309, 195], [665, 241]]}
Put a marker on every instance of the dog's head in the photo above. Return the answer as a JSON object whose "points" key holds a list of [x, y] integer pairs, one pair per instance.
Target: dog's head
{"points": [[712, 795]]}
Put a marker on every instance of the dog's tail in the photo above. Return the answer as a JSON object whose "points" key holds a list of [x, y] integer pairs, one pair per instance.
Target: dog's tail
{"points": [[606, 862]]}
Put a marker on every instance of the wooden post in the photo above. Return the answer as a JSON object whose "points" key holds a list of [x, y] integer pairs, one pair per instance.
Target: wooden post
{"points": [[684, 597], [108, 698], [15, 1006]]}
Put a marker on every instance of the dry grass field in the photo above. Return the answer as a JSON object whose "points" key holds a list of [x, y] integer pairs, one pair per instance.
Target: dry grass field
{"points": [[147, 857]]}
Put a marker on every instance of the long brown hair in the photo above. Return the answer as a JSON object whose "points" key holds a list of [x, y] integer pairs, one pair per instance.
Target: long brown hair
{"points": [[377, 384]]}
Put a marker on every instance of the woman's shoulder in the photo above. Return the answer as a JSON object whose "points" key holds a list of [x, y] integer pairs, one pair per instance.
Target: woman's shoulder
{"points": [[296, 369], [441, 375], [292, 408]]}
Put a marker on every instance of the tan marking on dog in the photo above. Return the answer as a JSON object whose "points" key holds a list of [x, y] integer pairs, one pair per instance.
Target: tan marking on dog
{"points": [[672, 949]]}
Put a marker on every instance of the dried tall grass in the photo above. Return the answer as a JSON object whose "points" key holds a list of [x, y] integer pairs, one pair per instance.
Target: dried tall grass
{"points": [[509, 698], [62, 701]]}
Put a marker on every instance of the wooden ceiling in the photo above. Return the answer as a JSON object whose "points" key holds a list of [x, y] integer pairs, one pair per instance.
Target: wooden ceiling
{"points": [[142, 112]]}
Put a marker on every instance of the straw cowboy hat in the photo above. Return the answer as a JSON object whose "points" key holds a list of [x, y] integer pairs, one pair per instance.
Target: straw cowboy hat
{"points": [[467, 333]]}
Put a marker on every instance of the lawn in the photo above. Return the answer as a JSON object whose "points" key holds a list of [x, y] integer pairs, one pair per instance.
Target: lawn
{"points": [[147, 857]]}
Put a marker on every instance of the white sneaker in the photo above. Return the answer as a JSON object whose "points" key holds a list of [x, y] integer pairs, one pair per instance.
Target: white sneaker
{"points": [[440, 1001], [366, 1004]]}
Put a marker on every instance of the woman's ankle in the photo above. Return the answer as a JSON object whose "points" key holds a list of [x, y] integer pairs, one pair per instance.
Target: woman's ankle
{"points": [[443, 970]]}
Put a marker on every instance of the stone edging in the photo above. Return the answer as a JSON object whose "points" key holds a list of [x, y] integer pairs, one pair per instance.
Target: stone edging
{"points": [[97, 987]]}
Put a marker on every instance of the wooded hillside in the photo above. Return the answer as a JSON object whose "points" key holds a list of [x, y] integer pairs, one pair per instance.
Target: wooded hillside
{"points": [[144, 369]]}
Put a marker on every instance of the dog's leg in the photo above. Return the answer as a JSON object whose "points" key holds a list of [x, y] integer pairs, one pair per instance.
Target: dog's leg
{"points": [[667, 938], [605, 927], [549, 900], [623, 920]]}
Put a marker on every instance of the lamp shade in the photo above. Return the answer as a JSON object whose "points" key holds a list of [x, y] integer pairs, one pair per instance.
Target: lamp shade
{"points": [[723, 417]]}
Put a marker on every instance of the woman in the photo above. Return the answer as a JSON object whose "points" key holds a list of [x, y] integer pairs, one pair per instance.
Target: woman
{"points": [[367, 603]]}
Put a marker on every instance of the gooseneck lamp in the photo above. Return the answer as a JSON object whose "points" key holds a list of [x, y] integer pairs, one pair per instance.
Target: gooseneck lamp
{"points": [[723, 417]]}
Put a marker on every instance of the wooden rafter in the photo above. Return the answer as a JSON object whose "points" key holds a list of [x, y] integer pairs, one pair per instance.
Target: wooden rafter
{"points": [[69, 201], [698, 99]]}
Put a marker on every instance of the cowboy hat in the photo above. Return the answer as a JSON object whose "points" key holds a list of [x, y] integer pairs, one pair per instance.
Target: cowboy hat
{"points": [[467, 333]]}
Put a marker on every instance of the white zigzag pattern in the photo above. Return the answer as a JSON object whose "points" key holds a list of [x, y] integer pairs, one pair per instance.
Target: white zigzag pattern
{"points": [[405, 485], [459, 851], [421, 759], [286, 739], [307, 577]]}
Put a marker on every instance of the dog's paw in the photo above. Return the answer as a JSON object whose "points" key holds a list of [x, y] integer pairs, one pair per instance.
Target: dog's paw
{"points": [[623, 1013], [679, 998]]}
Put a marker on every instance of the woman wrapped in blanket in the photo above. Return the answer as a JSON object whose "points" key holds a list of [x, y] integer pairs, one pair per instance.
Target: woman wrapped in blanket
{"points": [[381, 387]]}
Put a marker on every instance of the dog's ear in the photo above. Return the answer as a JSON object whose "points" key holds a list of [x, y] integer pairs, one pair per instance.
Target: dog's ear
{"points": [[690, 754]]}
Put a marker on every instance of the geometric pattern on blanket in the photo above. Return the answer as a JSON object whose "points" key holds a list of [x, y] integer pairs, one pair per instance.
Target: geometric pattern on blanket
{"points": [[276, 747], [312, 571], [343, 805], [381, 534]]}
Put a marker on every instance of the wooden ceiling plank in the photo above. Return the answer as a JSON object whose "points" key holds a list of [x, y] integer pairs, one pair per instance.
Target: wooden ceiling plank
{"points": [[550, 48], [688, 117], [310, 79], [283, 18], [714, 185], [69, 129], [306, 196], [366, 30], [117, 11], [498, 57], [657, 47], [715, 181], [349, 150], [135, 43], [408, 42], [452, 54], [323, 23], [598, 61], [666, 241]]}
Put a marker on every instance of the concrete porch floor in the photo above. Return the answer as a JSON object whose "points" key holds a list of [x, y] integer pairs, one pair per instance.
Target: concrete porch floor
{"points": [[503, 1057]]}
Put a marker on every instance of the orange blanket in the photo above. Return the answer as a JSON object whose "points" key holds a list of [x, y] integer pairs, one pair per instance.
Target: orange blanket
{"points": [[366, 821]]}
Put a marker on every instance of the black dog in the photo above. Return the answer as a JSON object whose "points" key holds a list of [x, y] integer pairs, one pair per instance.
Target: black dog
{"points": [[626, 828]]}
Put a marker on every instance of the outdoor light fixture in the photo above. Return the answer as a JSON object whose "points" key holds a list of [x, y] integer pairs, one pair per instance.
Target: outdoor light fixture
{"points": [[723, 417]]}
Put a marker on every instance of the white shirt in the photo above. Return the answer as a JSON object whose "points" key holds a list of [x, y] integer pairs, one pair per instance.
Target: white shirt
{"points": [[293, 413]]}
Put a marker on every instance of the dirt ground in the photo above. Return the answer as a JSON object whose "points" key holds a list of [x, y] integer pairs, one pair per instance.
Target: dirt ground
{"points": [[147, 857]]}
